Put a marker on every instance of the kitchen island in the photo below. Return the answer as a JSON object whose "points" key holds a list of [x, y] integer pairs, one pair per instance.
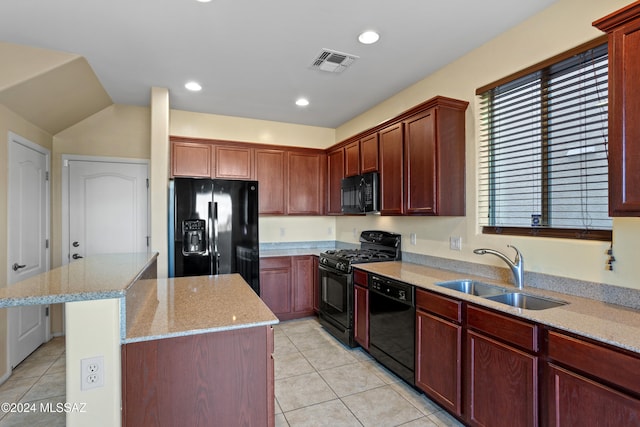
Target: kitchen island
{"points": [[115, 308]]}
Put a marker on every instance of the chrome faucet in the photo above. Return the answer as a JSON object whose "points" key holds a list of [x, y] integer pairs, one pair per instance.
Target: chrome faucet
{"points": [[516, 266]]}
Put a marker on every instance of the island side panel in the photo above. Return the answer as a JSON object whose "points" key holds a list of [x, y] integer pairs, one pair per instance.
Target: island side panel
{"points": [[93, 329], [226, 377]]}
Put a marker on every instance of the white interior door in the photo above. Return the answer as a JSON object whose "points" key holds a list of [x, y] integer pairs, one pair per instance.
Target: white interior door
{"points": [[108, 207], [28, 233]]}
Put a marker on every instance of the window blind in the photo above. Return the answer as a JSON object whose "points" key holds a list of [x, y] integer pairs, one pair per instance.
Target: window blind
{"points": [[543, 166]]}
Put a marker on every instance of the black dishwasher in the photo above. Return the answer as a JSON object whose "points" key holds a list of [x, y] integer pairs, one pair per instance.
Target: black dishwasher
{"points": [[392, 316]]}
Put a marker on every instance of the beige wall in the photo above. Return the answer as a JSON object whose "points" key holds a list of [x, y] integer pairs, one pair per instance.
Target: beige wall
{"points": [[211, 126], [558, 28], [11, 122]]}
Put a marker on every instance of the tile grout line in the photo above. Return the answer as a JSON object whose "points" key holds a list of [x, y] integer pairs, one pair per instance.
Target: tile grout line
{"points": [[340, 398]]}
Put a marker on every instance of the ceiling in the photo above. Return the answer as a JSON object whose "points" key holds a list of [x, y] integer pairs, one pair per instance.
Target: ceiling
{"points": [[253, 58]]}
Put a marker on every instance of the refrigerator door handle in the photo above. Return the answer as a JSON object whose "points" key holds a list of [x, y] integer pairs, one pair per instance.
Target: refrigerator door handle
{"points": [[210, 226], [213, 238]]}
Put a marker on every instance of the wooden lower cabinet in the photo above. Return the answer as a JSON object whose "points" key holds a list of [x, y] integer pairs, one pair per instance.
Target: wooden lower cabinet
{"points": [[361, 316], [220, 378], [303, 277], [578, 401], [501, 378], [439, 349], [275, 284], [590, 384], [361, 308], [287, 285], [502, 384], [438, 360]]}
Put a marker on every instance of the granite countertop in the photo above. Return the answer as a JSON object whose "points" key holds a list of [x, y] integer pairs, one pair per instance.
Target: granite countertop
{"points": [[164, 308], [95, 277], [612, 324]]}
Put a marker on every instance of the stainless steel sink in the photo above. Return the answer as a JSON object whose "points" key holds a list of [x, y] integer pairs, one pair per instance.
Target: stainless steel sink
{"points": [[526, 301], [473, 287]]}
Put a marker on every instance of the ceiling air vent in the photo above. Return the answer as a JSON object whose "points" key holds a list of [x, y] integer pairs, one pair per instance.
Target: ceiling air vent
{"points": [[333, 61]]}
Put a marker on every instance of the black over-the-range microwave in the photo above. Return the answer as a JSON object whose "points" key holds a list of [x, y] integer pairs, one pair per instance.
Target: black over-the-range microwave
{"points": [[360, 193]]}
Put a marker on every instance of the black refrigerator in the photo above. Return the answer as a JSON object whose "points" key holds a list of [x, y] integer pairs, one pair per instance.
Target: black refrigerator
{"points": [[213, 228]]}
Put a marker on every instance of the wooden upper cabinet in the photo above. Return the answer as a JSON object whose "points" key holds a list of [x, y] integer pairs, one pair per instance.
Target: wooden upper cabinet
{"points": [[434, 156], [369, 153], [305, 193], [270, 174], [623, 28], [420, 164], [233, 162], [352, 159], [391, 170], [191, 159], [335, 173]]}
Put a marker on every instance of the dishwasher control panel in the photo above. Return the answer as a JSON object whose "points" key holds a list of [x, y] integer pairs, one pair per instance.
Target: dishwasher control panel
{"points": [[392, 289]]}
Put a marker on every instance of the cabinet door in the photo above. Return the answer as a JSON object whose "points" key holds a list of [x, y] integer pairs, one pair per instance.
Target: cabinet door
{"points": [[191, 159], [502, 386], [438, 364], [369, 154], [361, 316], [578, 401], [316, 284], [275, 284], [352, 159], [233, 162], [303, 284], [305, 183], [335, 166], [391, 170], [420, 164], [623, 27], [270, 173]]}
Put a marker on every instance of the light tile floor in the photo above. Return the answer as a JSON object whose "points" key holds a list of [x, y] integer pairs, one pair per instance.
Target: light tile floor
{"points": [[38, 380], [319, 382]]}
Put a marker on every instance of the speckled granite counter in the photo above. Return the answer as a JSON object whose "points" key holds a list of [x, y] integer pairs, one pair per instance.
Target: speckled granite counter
{"points": [[608, 323], [165, 308], [92, 278]]}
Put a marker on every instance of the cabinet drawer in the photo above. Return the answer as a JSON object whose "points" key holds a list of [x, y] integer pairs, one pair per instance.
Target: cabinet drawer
{"points": [[448, 308], [514, 331], [275, 262], [361, 278], [603, 362]]}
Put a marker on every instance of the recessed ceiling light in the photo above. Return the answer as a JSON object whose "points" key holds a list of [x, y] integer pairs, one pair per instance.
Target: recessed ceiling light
{"points": [[203, 1], [368, 37], [302, 102], [193, 86]]}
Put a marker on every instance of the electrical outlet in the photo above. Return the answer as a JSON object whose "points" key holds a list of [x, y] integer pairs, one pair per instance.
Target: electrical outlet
{"points": [[413, 237], [91, 372], [455, 243]]}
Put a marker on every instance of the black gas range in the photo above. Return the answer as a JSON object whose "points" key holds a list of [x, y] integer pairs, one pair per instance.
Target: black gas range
{"points": [[336, 279], [375, 246]]}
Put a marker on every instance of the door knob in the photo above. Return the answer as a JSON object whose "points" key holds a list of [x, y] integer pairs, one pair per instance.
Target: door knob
{"points": [[76, 256], [17, 266], [75, 244]]}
